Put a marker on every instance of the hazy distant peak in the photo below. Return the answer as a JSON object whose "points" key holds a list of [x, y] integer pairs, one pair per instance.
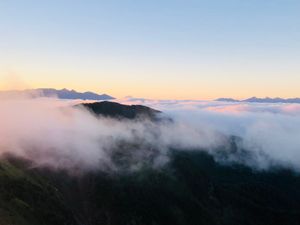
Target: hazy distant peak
{"points": [[226, 100], [62, 94], [262, 100]]}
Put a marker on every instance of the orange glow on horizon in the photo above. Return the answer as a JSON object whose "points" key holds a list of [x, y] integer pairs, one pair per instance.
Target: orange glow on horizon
{"points": [[179, 89]]}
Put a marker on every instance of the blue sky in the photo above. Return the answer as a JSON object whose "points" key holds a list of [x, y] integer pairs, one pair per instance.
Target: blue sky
{"points": [[157, 49]]}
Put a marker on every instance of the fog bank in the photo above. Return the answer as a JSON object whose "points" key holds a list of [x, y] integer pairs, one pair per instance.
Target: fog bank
{"points": [[53, 133]]}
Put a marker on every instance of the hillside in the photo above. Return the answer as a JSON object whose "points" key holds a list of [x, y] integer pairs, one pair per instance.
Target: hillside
{"points": [[191, 189]]}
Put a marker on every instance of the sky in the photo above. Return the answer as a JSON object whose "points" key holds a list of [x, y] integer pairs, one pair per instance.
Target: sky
{"points": [[160, 49]]}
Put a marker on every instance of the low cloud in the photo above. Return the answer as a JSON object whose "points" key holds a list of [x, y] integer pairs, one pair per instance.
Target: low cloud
{"points": [[270, 132], [53, 133]]}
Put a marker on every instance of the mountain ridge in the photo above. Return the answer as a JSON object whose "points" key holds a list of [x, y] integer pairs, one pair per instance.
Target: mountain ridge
{"points": [[59, 93], [261, 100], [117, 110]]}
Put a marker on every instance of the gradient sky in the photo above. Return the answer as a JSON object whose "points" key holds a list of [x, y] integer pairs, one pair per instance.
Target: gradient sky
{"points": [[155, 49]]}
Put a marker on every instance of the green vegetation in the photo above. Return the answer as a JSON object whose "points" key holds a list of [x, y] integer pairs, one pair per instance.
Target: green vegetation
{"points": [[192, 189], [26, 198]]}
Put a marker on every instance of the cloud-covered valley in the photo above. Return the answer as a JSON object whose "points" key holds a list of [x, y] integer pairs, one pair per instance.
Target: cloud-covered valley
{"points": [[53, 133]]}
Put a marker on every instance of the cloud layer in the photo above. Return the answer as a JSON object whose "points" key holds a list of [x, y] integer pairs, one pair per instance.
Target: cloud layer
{"points": [[53, 133], [271, 132]]}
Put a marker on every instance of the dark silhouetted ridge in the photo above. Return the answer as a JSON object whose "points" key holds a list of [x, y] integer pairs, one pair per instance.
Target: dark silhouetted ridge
{"points": [[117, 110]]}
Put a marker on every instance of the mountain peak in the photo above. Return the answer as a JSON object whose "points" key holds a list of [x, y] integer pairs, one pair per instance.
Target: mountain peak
{"points": [[117, 110], [61, 94]]}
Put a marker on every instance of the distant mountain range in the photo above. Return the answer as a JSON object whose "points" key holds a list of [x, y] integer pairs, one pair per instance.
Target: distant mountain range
{"points": [[262, 100], [62, 94]]}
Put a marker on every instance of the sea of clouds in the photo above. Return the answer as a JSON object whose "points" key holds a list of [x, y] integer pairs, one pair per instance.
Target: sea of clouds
{"points": [[270, 131], [53, 133]]}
